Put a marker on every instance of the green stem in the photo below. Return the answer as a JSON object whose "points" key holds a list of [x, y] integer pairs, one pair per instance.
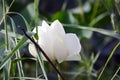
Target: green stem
{"points": [[19, 64], [10, 5], [64, 5], [44, 54], [115, 73], [36, 14], [6, 74], [42, 66], [37, 68], [58, 67], [36, 25], [111, 54], [5, 27]]}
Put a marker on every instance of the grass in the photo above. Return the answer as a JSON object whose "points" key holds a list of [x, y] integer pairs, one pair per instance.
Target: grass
{"points": [[12, 66]]}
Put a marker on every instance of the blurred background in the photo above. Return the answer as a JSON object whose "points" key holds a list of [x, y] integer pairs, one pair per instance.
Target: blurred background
{"points": [[89, 13]]}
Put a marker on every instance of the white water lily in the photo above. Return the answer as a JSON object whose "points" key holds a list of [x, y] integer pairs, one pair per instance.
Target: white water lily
{"points": [[57, 44]]}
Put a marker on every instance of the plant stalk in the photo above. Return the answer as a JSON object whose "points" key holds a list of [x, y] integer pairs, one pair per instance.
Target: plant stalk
{"points": [[44, 54]]}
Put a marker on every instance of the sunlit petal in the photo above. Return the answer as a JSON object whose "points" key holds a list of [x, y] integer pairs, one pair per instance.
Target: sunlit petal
{"points": [[57, 27], [45, 27], [46, 43], [73, 44], [56, 44], [60, 49]]}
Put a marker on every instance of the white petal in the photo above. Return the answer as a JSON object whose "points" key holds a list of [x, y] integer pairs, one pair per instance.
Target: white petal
{"points": [[32, 49], [45, 39], [75, 57], [57, 27], [58, 34], [44, 23], [60, 49], [73, 46], [45, 27], [46, 43]]}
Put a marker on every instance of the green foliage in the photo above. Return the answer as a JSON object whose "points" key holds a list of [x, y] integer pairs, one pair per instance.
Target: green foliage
{"points": [[64, 17], [109, 4], [15, 65]]}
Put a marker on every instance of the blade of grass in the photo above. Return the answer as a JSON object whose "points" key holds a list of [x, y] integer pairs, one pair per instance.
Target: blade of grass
{"points": [[6, 74], [7, 70], [95, 9], [99, 30], [21, 59], [63, 8], [5, 27], [36, 14], [10, 5], [98, 18], [25, 21], [82, 14], [12, 34], [6, 11], [27, 78], [109, 58], [8, 57], [42, 66], [36, 25], [115, 73], [19, 64]]}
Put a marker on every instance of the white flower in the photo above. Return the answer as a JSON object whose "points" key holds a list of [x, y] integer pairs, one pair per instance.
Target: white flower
{"points": [[56, 43]]}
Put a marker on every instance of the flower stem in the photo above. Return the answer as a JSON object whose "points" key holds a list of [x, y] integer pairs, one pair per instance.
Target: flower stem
{"points": [[44, 54], [58, 67]]}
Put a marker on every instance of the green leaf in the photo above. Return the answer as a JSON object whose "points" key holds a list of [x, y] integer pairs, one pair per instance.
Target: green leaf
{"points": [[65, 17]]}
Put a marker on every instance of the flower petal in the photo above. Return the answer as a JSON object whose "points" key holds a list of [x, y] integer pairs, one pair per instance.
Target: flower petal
{"points": [[46, 43], [56, 44], [60, 49], [75, 57], [45, 27], [32, 49], [73, 46], [57, 27], [45, 39]]}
